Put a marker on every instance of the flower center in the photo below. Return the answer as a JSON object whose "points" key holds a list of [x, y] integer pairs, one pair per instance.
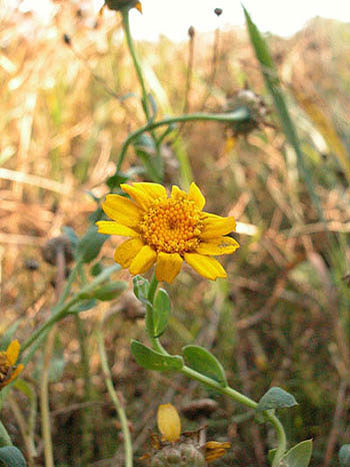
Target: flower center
{"points": [[172, 226], [5, 367]]}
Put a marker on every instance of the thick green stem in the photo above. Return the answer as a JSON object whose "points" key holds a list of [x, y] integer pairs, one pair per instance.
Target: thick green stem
{"points": [[119, 408], [238, 115]]}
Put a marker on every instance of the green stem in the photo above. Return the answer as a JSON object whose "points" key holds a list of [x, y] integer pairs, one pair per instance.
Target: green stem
{"points": [[281, 439], [240, 398], [232, 393], [62, 310], [138, 69], [238, 115], [119, 408], [86, 419]]}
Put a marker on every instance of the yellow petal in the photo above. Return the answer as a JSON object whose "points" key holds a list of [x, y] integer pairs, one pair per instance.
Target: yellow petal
{"points": [[177, 193], [195, 195], [113, 228], [143, 260], [153, 190], [138, 7], [206, 266], [215, 226], [218, 246], [127, 251], [122, 210], [13, 351], [144, 194], [168, 422], [168, 266]]}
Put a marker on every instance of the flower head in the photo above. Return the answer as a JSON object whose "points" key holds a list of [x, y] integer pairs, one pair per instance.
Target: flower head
{"points": [[174, 448], [120, 4], [166, 231], [8, 358]]}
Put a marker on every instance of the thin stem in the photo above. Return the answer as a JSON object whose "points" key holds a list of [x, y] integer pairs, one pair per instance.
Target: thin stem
{"points": [[138, 69], [114, 396], [281, 439], [62, 310], [232, 393], [87, 429], [238, 115]]}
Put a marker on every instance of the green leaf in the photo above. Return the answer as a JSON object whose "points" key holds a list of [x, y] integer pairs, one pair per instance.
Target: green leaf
{"points": [[10, 456], [299, 455], [161, 311], [116, 180], [83, 305], [5, 439], [152, 360], [110, 290], [146, 152], [90, 245], [204, 362], [273, 85], [276, 398], [344, 455], [141, 288], [96, 269]]}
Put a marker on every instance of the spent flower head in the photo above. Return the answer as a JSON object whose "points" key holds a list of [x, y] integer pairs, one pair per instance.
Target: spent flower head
{"points": [[174, 448], [121, 4], [8, 369], [167, 231]]}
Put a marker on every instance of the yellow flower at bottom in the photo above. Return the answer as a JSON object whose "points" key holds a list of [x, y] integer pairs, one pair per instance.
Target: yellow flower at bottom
{"points": [[166, 231], [168, 422], [8, 370]]}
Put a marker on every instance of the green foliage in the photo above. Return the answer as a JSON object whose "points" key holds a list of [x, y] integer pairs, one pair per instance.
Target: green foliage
{"points": [[299, 455], [141, 289], [201, 360], [10, 456], [273, 85], [152, 360], [90, 245], [344, 455], [161, 311], [276, 398]]}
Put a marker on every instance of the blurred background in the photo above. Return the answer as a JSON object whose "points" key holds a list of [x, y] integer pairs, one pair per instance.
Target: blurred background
{"points": [[69, 97]]}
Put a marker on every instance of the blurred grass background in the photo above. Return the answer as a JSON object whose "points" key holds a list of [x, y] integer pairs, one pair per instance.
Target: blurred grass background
{"points": [[281, 319]]}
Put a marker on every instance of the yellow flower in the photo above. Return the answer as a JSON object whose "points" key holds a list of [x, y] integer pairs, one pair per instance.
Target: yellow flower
{"points": [[167, 230], [8, 370], [215, 449], [168, 422]]}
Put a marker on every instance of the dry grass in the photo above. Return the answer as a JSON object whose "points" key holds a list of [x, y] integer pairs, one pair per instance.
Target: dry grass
{"points": [[283, 317]]}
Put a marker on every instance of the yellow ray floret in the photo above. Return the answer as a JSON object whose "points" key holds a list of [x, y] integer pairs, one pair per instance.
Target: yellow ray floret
{"points": [[167, 230], [8, 370]]}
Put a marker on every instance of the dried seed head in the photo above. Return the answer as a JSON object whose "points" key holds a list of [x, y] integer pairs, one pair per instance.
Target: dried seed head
{"points": [[52, 248], [191, 32], [257, 108], [199, 408], [181, 455]]}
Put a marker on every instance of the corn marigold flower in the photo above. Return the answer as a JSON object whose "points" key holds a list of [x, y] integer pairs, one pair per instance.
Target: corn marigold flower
{"points": [[167, 231], [8, 370]]}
